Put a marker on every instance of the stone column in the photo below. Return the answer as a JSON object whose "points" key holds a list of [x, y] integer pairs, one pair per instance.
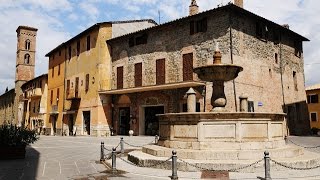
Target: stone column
{"points": [[191, 100], [243, 103], [218, 99]]}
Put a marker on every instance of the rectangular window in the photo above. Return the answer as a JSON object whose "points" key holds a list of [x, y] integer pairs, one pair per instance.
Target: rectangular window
{"points": [[68, 87], [78, 48], [313, 117], [52, 72], [58, 69], [143, 39], [198, 26], [297, 48], [76, 87], [312, 99], [51, 97], [88, 43], [87, 83], [70, 53], [138, 74], [187, 67], [160, 71], [250, 106], [120, 77], [295, 81], [262, 31]]}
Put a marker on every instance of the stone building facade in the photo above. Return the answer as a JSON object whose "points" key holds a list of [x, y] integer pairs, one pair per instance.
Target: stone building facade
{"points": [[152, 68], [313, 105], [35, 102], [78, 69], [25, 64]]}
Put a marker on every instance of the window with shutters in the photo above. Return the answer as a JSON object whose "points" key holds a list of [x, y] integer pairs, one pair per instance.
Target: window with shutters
{"points": [[138, 74], [120, 77], [76, 88], [313, 116], [188, 67], [87, 83], [198, 26], [68, 87], [160, 71], [312, 98]]}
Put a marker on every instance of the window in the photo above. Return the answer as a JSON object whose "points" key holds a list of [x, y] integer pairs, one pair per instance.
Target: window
{"points": [[27, 44], [138, 74], [313, 117], [88, 42], [58, 94], [295, 82], [68, 87], [250, 106], [198, 26], [52, 72], [51, 96], [297, 48], [26, 58], [276, 58], [69, 52], [76, 88], [142, 39], [187, 67], [160, 71], [58, 69], [120, 77], [87, 82], [262, 31], [312, 98], [78, 48]]}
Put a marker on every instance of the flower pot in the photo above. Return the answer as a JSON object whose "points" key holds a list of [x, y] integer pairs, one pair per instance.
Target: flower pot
{"points": [[12, 152]]}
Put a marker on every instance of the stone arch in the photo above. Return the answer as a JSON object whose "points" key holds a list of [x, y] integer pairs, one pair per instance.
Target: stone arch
{"points": [[124, 99], [27, 44], [26, 58]]}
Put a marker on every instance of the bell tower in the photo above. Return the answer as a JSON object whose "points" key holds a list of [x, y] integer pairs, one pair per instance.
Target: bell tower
{"points": [[193, 8], [25, 64]]}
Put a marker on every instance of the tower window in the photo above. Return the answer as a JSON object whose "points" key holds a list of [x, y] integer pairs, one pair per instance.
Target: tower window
{"points": [[295, 83], [27, 44], [27, 59]]}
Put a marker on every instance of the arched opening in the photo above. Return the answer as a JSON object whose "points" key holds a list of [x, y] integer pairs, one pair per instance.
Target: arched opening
{"points": [[27, 44], [26, 58]]}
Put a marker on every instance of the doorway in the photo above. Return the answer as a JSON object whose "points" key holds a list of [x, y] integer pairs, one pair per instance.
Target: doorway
{"points": [[86, 122], [124, 120], [70, 124], [151, 120], [54, 125]]}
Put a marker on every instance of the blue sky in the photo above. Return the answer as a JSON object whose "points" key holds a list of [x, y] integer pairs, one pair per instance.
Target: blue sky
{"points": [[59, 20]]}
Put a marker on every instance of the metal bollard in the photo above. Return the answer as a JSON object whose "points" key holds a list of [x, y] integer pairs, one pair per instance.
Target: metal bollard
{"points": [[174, 165], [113, 156], [102, 152], [156, 139], [267, 166], [121, 145]]}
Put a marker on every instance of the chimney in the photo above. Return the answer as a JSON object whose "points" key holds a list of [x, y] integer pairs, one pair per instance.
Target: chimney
{"points": [[238, 3], [286, 26], [193, 8]]}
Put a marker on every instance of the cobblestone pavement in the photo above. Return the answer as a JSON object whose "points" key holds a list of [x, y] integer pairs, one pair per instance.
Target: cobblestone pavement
{"points": [[54, 157]]}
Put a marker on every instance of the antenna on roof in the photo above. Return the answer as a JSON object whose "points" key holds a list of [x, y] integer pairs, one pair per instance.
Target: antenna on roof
{"points": [[159, 16]]}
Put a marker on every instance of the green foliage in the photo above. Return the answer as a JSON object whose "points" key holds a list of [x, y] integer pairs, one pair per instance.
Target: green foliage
{"points": [[11, 135]]}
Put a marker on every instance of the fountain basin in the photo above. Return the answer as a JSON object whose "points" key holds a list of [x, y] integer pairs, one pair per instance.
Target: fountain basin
{"points": [[222, 130], [218, 72]]}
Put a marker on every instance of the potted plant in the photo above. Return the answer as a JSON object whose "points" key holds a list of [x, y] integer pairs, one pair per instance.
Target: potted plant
{"points": [[13, 141]]}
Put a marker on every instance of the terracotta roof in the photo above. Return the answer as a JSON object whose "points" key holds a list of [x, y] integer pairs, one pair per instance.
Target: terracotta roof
{"points": [[96, 26], [228, 6], [313, 87], [32, 80]]}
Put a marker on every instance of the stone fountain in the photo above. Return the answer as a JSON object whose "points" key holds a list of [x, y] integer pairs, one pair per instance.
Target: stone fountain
{"points": [[218, 139]]}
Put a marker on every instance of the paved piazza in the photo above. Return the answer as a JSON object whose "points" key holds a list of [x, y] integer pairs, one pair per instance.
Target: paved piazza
{"points": [[55, 158]]}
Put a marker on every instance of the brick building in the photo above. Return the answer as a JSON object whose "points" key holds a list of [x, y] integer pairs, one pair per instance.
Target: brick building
{"points": [[11, 106], [78, 69], [152, 68]]}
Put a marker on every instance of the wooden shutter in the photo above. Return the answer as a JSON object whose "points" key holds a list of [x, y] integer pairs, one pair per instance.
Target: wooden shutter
{"points": [[188, 67], [138, 74], [120, 77], [76, 87], [160, 74]]}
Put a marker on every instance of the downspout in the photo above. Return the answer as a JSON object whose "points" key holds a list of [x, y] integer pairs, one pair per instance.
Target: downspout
{"points": [[231, 56], [281, 63]]}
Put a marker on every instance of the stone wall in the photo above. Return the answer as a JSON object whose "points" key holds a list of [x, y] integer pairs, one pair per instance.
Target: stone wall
{"points": [[7, 107]]}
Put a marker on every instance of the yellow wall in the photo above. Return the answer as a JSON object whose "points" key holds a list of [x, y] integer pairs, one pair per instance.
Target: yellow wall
{"points": [[54, 82], [314, 107]]}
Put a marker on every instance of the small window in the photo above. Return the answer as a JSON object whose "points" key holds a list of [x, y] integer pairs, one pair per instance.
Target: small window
{"points": [[160, 71], [276, 58], [142, 39], [187, 67], [120, 77], [313, 117], [262, 31], [26, 58], [87, 83], [88, 42], [295, 81], [198, 26], [138, 74], [297, 48], [58, 69], [78, 48], [27, 44], [312, 98], [250, 106]]}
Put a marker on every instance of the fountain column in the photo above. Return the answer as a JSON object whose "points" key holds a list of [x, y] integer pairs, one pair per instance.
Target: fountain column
{"points": [[218, 99]]}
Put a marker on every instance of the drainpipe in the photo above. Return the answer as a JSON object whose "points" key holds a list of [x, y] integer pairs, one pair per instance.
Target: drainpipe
{"points": [[280, 60], [112, 111], [231, 56]]}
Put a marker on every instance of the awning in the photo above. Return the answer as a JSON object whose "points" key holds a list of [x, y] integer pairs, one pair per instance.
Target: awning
{"points": [[154, 88]]}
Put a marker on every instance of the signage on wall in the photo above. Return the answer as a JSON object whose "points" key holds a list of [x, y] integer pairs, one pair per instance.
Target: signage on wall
{"points": [[260, 104]]}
